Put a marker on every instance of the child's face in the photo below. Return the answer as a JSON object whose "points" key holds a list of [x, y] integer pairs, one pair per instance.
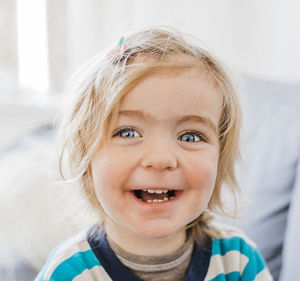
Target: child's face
{"points": [[165, 140]]}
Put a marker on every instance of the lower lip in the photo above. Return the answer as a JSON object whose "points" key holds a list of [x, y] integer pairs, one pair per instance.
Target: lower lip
{"points": [[159, 206]]}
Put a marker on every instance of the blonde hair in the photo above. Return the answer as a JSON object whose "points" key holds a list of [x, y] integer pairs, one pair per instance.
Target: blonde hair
{"points": [[96, 91]]}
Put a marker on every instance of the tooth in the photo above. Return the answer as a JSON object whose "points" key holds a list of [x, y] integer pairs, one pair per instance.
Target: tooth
{"points": [[172, 197], [149, 201], [159, 191], [155, 200], [159, 200], [166, 199]]}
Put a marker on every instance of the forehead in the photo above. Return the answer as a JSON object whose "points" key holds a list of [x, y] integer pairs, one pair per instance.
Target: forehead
{"points": [[166, 94]]}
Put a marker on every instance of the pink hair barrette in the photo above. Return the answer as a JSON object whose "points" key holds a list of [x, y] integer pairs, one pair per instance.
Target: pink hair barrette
{"points": [[119, 51]]}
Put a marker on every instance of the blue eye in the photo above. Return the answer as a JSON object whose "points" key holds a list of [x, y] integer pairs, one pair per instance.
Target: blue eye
{"points": [[127, 133], [191, 137]]}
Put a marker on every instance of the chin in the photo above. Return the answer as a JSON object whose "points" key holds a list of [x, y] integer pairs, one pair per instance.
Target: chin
{"points": [[156, 231]]}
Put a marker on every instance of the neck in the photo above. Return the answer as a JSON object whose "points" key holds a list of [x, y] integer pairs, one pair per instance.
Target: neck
{"points": [[144, 246]]}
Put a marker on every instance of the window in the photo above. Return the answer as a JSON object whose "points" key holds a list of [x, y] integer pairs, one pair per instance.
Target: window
{"points": [[33, 71]]}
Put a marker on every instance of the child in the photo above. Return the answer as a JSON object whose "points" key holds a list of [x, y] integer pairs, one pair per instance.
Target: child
{"points": [[152, 135]]}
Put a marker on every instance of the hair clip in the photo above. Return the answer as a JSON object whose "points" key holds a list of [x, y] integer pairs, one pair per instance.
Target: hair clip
{"points": [[119, 51]]}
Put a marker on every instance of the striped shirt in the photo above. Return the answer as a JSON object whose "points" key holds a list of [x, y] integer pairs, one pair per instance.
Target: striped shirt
{"points": [[232, 257]]}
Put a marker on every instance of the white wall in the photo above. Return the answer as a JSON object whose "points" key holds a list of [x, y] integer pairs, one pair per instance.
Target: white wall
{"points": [[260, 37]]}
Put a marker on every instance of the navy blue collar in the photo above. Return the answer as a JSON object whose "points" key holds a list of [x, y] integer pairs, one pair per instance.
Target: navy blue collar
{"points": [[119, 272]]}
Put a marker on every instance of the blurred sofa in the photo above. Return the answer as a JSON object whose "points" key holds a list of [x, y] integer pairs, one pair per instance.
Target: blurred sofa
{"points": [[36, 209], [32, 202], [270, 172]]}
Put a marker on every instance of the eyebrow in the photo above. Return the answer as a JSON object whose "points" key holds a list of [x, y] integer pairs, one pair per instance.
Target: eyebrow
{"points": [[185, 118]]}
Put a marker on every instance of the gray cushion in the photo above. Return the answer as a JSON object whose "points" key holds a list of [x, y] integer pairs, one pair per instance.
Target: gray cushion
{"points": [[270, 174]]}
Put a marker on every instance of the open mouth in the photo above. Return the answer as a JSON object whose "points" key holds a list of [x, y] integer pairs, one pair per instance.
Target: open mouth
{"points": [[155, 196]]}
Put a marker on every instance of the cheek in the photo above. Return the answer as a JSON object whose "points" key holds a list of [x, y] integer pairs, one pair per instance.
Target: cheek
{"points": [[201, 180], [109, 176], [203, 172]]}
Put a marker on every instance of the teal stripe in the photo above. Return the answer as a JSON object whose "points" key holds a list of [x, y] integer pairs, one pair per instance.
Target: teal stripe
{"points": [[74, 266], [255, 264], [235, 275], [225, 245], [41, 275]]}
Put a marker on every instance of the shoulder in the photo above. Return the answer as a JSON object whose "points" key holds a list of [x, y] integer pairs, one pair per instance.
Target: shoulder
{"points": [[235, 256], [70, 259], [227, 231]]}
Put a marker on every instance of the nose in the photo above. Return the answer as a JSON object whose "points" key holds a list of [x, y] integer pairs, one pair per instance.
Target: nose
{"points": [[159, 157]]}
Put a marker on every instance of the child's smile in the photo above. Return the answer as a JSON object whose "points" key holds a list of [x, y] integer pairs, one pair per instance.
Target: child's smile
{"points": [[156, 198], [157, 173], [155, 195]]}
